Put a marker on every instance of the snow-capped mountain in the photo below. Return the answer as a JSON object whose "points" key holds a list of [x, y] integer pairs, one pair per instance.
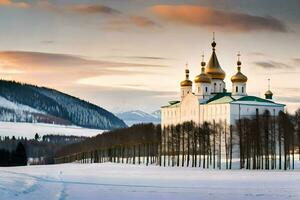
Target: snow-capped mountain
{"points": [[29, 103], [156, 114], [138, 116]]}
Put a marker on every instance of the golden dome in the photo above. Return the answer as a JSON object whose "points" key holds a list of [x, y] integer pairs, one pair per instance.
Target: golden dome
{"points": [[213, 68], [239, 77], [202, 78], [269, 92], [186, 83]]}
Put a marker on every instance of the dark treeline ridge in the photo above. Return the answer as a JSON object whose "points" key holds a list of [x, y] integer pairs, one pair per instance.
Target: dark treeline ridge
{"points": [[54, 107], [40, 150], [262, 142], [136, 144], [16, 157]]}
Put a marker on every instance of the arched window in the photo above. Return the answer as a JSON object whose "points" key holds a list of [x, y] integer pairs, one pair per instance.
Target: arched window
{"points": [[242, 89], [236, 89], [215, 87], [205, 89]]}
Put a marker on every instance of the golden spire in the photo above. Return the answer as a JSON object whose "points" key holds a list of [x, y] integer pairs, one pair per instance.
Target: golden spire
{"points": [[214, 44], [213, 69], [187, 71], [239, 76], [203, 64]]}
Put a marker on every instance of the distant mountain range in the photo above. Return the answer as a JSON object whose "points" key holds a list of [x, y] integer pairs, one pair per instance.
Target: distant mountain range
{"points": [[29, 103], [138, 116]]}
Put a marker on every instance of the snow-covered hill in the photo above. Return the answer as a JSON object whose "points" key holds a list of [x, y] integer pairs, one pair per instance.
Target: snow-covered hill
{"points": [[133, 182], [29, 103], [138, 116], [30, 129]]}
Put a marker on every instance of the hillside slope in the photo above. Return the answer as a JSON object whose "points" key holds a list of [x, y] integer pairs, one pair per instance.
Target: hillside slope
{"points": [[29, 103]]}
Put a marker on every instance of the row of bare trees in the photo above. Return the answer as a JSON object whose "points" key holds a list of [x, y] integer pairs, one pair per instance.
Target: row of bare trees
{"points": [[188, 144], [263, 142], [268, 141], [135, 145]]}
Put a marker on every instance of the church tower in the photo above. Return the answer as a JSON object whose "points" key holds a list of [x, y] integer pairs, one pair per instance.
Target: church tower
{"points": [[239, 81], [203, 83], [215, 72], [186, 85]]}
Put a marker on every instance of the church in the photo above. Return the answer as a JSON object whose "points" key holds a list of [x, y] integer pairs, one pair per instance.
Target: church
{"points": [[209, 100]]}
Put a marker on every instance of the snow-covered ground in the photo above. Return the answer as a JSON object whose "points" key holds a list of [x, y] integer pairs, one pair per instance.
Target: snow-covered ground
{"points": [[28, 130], [121, 182]]}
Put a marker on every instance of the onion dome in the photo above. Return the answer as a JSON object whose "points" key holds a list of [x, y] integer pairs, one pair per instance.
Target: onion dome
{"points": [[239, 77], [269, 94], [213, 68], [203, 77], [187, 81]]}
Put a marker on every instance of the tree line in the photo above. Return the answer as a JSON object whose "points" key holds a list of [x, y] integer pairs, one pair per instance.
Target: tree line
{"points": [[40, 150], [17, 157], [264, 141], [136, 144]]}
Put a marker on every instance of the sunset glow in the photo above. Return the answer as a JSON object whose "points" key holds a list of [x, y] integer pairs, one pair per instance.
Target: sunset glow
{"points": [[125, 55]]}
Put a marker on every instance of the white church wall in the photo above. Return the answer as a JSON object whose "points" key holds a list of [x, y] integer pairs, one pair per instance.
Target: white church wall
{"points": [[217, 85], [249, 111]]}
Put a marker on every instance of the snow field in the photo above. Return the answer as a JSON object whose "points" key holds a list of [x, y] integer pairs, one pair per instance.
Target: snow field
{"points": [[110, 181]]}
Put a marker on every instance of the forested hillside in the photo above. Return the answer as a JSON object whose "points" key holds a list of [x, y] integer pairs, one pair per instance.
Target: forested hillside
{"points": [[29, 103]]}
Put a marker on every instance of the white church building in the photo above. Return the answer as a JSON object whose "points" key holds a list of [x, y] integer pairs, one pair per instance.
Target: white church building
{"points": [[210, 101]]}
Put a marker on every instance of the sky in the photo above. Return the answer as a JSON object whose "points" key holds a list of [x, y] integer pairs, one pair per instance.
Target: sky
{"points": [[131, 54]]}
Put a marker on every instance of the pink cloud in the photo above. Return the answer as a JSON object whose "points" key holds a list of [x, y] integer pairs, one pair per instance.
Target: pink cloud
{"points": [[209, 17]]}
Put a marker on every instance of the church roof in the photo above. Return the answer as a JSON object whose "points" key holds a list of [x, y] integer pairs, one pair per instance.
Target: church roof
{"points": [[218, 96], [250, 100], [224, 99], [174, 103]]}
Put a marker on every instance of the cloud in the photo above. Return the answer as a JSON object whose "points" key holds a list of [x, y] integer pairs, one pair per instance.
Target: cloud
{"points": [[125, 22], [141, 21], [225, 20], [10, 3], [93, 9], [153, 58], [297, 60], [257, 54], [54, 68], [272, 65], [60, 60], [47, 42]]}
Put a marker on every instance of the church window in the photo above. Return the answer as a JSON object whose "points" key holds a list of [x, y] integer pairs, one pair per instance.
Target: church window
{"points": [[236, 89], [242, 89], [205, 89]]}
